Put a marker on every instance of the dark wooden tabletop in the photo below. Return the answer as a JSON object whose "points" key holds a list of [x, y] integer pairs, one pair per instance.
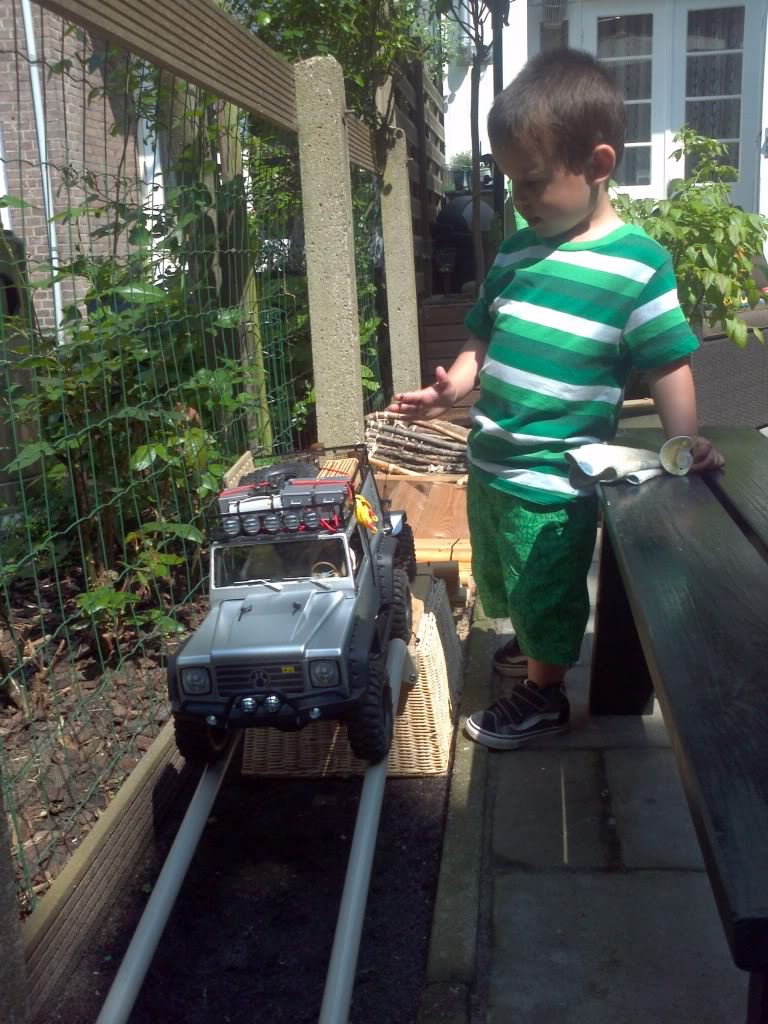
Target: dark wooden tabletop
{"points": [[693, 555]]}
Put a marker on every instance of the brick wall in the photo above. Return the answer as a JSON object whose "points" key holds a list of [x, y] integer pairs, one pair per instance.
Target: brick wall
{"points": [[84, 133]]}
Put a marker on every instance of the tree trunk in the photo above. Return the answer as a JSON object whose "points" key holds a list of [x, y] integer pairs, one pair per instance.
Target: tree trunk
{"points": [[238, 280]]}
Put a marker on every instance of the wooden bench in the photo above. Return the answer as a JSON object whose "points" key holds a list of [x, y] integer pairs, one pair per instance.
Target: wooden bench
{"points": [[682, 612]]}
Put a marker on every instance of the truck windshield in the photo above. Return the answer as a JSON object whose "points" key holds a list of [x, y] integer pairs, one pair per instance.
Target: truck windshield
{"points": [[310, 558]]}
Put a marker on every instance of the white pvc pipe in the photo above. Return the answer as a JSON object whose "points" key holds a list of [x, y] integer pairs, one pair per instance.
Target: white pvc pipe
{"points": [[125, 988], [346, 941], [45, 171]]}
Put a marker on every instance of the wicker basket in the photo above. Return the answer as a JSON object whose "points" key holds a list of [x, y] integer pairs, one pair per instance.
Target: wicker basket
{"points": [[425, 718], [329, 467]]}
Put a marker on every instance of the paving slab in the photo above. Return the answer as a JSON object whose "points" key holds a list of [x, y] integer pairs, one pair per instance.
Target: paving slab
{"points": [[640, 947], [548, 810], [651, 812]]}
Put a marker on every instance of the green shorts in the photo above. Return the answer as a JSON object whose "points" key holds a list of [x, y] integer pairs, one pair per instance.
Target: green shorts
{"points": [[530, 563]]}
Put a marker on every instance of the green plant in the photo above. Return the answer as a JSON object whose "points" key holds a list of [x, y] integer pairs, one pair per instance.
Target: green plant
{"points": [[712, 242]]}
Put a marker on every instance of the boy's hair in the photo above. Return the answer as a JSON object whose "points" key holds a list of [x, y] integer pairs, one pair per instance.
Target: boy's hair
{"points": [[564, 102]]}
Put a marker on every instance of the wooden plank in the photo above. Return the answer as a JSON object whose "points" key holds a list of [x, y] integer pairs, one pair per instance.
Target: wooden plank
{"points": [[404, 122], [699, 596], [199, 43], [435, 334], [743, 486], [405, 88], [445, 312], [360, 143], [433, 92], [412, 499], [446, 513]]}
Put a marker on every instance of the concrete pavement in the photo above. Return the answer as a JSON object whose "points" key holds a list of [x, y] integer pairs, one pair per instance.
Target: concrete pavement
{"points": [[572, 888]]}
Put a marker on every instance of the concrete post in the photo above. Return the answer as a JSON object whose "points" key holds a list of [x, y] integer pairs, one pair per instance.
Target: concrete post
{"points": [[402, 304], [13, 981], [328, 230]]}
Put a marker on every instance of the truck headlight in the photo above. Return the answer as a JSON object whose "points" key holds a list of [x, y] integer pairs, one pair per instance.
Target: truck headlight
{"points": [[324, 673], [195, 680], [251, 523]]}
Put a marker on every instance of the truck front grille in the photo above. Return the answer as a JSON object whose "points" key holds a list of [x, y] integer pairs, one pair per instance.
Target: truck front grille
{"points": [[239, 678]]}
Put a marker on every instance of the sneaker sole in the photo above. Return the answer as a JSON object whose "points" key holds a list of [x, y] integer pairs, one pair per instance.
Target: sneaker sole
{"points": [[512, 671], [496, 742]]}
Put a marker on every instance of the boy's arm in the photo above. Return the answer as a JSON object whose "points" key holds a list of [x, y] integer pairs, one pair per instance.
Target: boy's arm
{"points": [[450, 386], [675, 399]]}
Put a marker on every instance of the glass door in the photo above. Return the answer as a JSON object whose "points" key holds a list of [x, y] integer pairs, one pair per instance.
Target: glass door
{"points": [[629, 43], [709, 91]]}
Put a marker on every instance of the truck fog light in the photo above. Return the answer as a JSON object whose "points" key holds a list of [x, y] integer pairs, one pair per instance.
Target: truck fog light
{"points": [[251, 523], [291, 520], [195, 680], [271, 522], [312, 519], [324, 673], [231, 525]]}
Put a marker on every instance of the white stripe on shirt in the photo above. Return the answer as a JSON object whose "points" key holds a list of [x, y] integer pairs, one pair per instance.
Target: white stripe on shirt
{"points": [[548, 386], [530, 478], [643, 314], [488, 426], [557, 321]]}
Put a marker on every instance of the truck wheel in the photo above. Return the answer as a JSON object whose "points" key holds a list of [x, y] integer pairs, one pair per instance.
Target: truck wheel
{"points": [[405, 556], [370, 724], [402, 610], [199, 743]]}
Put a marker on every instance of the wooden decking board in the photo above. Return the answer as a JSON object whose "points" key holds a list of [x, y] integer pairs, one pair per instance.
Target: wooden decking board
{"points": [[445, 515], [412, 499]]}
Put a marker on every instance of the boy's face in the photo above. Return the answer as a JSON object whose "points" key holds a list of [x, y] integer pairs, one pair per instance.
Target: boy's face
{"points": [[553, 199]]}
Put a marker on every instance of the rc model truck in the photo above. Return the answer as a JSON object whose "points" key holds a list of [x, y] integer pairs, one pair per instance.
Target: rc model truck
{"points": [[309, 581]]}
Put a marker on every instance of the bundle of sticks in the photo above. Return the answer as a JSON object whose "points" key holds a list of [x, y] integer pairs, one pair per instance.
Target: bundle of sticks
{"points": [[413, 447]]}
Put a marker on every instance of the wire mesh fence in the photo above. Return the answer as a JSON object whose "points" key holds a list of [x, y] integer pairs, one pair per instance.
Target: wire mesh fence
{"points": [[154, 323], [369, 265]]}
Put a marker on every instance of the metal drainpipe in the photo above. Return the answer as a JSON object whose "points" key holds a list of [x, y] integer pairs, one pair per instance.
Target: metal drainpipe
{"points": [[45, 171]]}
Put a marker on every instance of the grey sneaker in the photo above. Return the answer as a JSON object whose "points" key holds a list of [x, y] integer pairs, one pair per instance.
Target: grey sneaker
{"points": [[510, 661], [527, 713]]}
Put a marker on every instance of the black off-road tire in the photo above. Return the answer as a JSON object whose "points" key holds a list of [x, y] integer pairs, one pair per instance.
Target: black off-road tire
{"points": [[402, 610], [200, 743], [405, 556], [370, 724]]}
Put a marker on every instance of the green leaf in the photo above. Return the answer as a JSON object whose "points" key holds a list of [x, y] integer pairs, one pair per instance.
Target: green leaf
{"points": [[185, 531], [30, 454], [232, 316], [142, 294], [140, 235], [143, 457], [15, 203], [758, 334]]}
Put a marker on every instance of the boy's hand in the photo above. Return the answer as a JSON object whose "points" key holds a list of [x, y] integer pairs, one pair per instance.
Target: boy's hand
{"points": [[427, 403], [705, 456]]}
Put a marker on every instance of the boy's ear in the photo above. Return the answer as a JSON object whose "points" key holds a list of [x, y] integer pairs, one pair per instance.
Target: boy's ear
{"points": [[601, 164]]}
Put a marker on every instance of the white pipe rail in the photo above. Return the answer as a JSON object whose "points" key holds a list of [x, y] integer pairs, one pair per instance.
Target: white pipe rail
{"points": [[346, 944]]}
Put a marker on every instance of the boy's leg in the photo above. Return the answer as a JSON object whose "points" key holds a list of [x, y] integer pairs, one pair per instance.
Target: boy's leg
{"points": [[544, 555]]}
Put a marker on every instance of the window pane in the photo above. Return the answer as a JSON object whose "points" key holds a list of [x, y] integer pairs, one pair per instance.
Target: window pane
{"points": [[633, 77], [719, 119], [625, 36], [714, 75], [638, 122], [720, 29], [731, 159], [635, 167]]}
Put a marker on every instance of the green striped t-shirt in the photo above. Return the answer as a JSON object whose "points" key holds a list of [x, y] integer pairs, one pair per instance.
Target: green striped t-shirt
{"points": [[565, 324]]}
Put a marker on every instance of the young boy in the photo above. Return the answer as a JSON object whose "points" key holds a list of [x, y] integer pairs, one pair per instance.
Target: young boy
{"points": [[570, 306]]}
